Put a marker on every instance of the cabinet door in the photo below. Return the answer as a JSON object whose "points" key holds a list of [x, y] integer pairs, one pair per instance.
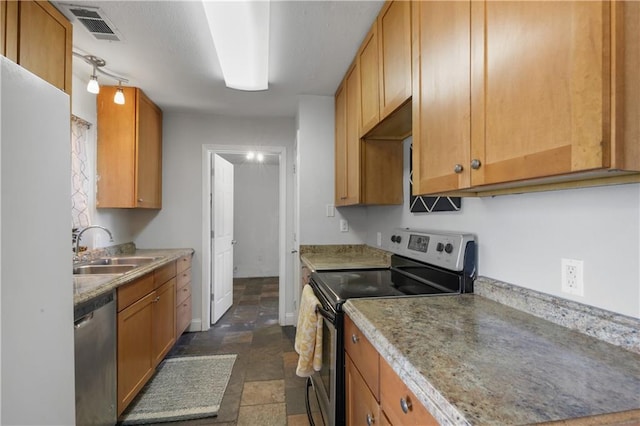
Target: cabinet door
{"points": [[369, 107], [164, 320], [353, 138], [116, 152], [45, 43], [135, 346], [149, 158], [341, 145], [361, 406], [394, 47], [541, 96], [441, 104]]}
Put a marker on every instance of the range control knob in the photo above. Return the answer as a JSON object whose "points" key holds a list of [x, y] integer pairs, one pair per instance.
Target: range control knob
{"points": [[448, 248], [439, 247], [395, 239]]}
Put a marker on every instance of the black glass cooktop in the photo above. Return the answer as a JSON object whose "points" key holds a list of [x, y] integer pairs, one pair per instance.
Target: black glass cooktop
{"points": [[338, 286]]}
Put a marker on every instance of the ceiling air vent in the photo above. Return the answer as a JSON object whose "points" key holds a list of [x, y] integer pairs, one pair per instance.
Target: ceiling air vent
{"points": [[95, 22]]}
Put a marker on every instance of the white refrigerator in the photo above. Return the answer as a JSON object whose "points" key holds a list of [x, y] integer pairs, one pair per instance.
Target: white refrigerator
{"points": [[36, 282]]}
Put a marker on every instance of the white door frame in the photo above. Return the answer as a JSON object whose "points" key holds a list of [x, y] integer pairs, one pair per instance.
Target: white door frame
{"points": [[206, 223]]}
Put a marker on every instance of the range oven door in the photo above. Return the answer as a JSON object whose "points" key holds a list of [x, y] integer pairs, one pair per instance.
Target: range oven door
{"points": [[326, 382]]}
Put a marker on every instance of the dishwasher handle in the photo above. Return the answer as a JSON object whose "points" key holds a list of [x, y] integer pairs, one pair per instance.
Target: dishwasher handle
{"points": [[85, 320]]}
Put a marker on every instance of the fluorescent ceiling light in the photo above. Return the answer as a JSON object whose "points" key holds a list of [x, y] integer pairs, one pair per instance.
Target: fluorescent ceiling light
{"points": [[240, 32]]}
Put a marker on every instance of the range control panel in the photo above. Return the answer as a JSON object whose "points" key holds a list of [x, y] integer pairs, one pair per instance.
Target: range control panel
{"points": [[443, 249]]}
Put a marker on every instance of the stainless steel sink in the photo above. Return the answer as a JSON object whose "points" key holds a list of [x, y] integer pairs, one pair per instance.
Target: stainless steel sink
{"points": [[124, 260], [102, 269]]}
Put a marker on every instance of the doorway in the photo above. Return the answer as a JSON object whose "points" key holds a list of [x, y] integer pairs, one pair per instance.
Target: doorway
{"points": [[274, 157]]}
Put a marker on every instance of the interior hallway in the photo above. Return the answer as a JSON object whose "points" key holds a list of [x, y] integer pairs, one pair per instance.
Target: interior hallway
{"points": [[263, 388]]}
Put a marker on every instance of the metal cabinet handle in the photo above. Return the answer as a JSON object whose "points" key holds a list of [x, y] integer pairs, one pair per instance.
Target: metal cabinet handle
{"points": [[458, 168], [370, 420], [354, 338], [405, 404], [83, 321], [475, 164], [140, 200], [156, 299]]}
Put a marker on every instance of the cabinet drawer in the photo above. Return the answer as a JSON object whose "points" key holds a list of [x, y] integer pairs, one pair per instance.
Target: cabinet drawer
{"points": [[363, 354], [164, 274], [392, 392], [183, 316], [184, 263], [183, 293], [184, 277], [135, 290]]}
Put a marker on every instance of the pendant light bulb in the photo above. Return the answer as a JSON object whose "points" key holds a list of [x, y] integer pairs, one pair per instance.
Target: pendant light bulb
{"points": [[118, 98], [93, 86]]}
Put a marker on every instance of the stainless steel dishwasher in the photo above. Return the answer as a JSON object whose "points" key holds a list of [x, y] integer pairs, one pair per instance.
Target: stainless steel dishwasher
{"points": [[95, 361]]}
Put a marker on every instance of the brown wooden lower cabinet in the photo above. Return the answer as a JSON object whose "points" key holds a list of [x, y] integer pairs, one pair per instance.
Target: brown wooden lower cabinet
{"points": [[399, 404], [135, 349], [374, 392], [183, 295], [362, 406], [146, 329], [164, 320]]}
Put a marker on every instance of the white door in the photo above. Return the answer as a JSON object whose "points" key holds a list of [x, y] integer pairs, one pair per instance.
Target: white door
{"points": [[222, 238]]}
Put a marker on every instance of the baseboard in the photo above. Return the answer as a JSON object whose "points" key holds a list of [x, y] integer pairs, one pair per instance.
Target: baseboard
{"points": [[196, 325], [290, 318]]}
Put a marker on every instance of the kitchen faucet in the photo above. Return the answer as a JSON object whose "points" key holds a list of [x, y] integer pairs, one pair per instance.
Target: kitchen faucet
{"points": [[87, 228]]}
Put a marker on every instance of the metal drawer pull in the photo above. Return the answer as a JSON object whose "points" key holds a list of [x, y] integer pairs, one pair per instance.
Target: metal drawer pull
{"points": [[458, 168], [370, 420], [354, 338], [475, 164], [405, 404]]}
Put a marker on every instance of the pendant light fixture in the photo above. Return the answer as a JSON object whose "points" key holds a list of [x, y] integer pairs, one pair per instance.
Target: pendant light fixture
{"points": [[94, 86], [118, 98]]}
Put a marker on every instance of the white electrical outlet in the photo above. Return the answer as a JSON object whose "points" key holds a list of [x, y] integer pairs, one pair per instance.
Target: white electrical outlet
{"points": [[572, 276], [344, 225], [379, 239]]}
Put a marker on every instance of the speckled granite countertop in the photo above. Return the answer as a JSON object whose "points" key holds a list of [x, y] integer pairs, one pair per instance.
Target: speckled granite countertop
{"points": [[86, 287], [347, 256], [471, 360]]}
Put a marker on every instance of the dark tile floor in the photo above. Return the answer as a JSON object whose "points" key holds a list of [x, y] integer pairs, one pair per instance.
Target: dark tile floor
{"points": [[263, 388]]}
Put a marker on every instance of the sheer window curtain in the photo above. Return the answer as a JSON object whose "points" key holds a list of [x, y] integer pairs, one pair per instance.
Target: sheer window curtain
{"points": [[80, 217]]}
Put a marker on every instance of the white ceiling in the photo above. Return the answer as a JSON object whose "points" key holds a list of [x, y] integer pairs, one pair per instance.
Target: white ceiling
{"points": [[168, 52]]}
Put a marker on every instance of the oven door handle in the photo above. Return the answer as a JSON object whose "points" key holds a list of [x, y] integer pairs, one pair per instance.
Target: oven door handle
{"points": [[329, 316]]}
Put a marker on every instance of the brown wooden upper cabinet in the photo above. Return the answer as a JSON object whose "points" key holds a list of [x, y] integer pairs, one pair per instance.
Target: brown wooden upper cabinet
{"points": [[507, 92], [347, 140], [129, 151], [385, 67], [36, 36], [366, 171]]}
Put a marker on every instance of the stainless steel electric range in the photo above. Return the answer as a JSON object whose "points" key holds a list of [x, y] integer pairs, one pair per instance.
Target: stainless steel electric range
{"points": [[424, 263]]}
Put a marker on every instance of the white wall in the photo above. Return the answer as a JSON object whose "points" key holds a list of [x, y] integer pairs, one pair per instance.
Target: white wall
{"points": [[523, 237], [179, 223], [116, 220], [316, 148], [255, 220]]}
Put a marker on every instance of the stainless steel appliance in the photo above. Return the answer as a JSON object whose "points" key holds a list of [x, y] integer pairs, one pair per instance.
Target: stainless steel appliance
{"points": [[424, 263], [95, 360]]}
